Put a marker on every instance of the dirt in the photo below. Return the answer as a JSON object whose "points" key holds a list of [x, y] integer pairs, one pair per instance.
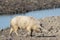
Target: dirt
{"points": [[52, 24], [23, 6]]}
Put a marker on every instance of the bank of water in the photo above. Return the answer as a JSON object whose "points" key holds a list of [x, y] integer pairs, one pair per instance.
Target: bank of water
{"points": [[5, 19]]}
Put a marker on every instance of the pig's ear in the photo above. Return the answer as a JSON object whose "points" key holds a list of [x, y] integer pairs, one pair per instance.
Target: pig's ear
{"points": [[41, 25]]}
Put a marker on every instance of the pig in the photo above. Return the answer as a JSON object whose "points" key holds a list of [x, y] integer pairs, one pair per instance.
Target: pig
{"points": [[25, 22]]}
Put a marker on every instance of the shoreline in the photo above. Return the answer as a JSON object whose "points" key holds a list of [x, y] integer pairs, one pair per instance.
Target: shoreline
{"points": [[23, 6]]}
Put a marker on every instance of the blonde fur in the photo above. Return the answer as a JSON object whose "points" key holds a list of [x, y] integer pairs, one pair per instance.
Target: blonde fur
{"points": [[24, 22]]}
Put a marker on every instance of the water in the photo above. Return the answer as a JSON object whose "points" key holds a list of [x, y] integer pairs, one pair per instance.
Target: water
{"points": [[5, 19]]}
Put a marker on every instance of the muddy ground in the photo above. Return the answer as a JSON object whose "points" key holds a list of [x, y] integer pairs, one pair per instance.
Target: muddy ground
{"points": [[52, 24]]}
